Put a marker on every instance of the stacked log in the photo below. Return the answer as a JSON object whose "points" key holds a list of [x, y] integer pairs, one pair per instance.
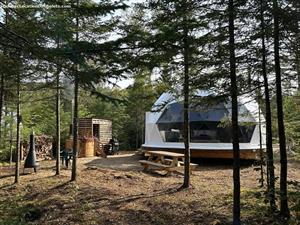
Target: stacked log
{"points": [[43, 147]]}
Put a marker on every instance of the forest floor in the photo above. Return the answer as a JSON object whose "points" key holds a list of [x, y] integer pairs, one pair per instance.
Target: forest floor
{"points": [[116, 191]]}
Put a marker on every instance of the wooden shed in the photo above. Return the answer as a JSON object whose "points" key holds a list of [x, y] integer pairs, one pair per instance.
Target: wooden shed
{"points": [[93, 135], [97, 128]]}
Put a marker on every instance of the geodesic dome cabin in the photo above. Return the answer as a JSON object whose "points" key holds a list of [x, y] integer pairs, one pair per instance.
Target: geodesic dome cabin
{"points": [[210, 132]]}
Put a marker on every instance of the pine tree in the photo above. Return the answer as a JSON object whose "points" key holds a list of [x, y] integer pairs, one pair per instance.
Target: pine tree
{"points": [[141, 96], [284, 209], [177, 45], [2, 82], [12, 38], [269, 145], [186, 101], [17, 171], [234, 118], [58, 117], [97, 53], [1, 101], [75, 116]]}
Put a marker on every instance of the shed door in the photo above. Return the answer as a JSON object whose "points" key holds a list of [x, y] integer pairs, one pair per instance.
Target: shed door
{"points": [[96, 129]]}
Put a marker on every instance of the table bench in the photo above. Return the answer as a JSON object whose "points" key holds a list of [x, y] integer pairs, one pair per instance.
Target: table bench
{"points": [[147, 163], [157, 160], [192, 165]]}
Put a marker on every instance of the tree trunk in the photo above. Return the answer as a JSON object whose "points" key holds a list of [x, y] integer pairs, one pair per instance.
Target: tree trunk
{"points": [[136, 131], [58, 118], [284, 209], [75, 130], [1, 102], [186, 103], [234, 118], [260, 143], [3, 142], [5, 123], [298, 62], [11, 127], [17, 171], [75, 119], [2, 81], [269, 144], [297, 44]]}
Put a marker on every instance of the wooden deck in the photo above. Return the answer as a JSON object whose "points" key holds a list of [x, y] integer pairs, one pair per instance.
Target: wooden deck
{"points": [[214, 153]]}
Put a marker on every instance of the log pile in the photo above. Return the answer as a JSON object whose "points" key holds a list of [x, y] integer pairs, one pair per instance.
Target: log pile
{"points": [[43, 147]]}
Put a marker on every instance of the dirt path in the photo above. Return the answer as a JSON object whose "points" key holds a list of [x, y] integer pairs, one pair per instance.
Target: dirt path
{"points": [[116, 191], [124, 162]]}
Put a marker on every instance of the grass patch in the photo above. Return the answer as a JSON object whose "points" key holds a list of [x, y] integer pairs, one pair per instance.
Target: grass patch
{"points": [[294, 197], [255, 208], [4, 164], [15, 212]]}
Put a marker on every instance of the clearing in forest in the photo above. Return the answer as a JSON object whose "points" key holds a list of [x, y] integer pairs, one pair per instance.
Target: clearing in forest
{"points": [[116, 191]]}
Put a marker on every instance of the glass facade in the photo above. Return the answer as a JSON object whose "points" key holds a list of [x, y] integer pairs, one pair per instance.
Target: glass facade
{"points": [[205, 126]]}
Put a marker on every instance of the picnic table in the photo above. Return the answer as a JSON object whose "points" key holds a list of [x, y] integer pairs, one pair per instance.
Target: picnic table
{"points": [[163, 160]]}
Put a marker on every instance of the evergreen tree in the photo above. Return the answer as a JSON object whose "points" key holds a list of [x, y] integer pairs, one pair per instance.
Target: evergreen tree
{"points": [[58, 31], [2, 81], [234, 117], [18, 144], [141, 96], [269, 144], [75, 110], [177, 43], [58, 117], [15, 36], [284, 209], [89, 55]]}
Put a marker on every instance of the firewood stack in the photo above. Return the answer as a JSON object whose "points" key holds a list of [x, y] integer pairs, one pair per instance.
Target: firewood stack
{"points": [[43, 147]]}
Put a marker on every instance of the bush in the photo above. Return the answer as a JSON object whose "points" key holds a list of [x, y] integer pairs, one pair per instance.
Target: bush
{"points": [[5, 153]]}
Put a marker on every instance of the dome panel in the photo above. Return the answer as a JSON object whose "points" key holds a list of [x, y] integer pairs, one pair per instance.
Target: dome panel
{"points": [[173, 113]]}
